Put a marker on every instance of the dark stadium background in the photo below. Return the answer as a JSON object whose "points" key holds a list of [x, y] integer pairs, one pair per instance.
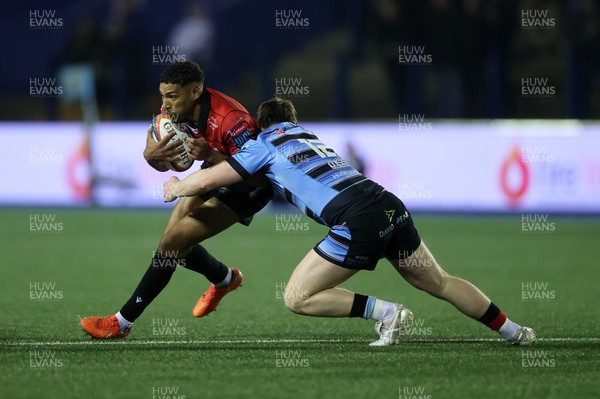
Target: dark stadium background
{"points": [[345, 55]]}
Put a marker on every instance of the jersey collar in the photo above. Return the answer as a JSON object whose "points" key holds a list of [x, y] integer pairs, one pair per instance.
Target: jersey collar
{"points": [[204, 110], [280, 126]]}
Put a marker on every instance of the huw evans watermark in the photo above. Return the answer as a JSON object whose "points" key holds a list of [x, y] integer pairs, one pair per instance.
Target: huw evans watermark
{"points": [[40, 223], [413, 392], [292, 290], [537, 19], [413, 123], [166, 55], [537, 291], [537, 88], [45, 19], [44, 87], [291, 19], [290, 359], [537, 359], [45, 359], [414, 55], [44, 291], [291, 223], [167, 392], [291, 88], [532, 223]]}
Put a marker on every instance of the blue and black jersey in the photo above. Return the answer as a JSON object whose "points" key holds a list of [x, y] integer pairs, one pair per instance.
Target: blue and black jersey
{"points": [[303, 170]]}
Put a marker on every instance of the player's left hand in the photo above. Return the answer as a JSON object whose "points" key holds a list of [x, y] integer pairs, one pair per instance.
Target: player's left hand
{"points": [[199, 149], [170, 191]]}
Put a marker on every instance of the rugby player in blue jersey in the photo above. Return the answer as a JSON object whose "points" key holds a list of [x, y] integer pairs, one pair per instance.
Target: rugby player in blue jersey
{"points": [[366, 224]]}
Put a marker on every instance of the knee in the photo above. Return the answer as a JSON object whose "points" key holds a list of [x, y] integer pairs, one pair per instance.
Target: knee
{"points": [[169, 246], [295, 301], [166, 244]]}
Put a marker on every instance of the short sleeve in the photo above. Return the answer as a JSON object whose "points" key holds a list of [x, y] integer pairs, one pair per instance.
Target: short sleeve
{"points": [[239, 127], [253, 157]]}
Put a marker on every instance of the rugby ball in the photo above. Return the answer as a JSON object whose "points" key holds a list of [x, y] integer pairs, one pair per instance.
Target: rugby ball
{"points": [[162, 126]]}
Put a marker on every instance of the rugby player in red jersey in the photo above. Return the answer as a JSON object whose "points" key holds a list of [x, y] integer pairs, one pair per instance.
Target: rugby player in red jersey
{"points": [[219, 126]]}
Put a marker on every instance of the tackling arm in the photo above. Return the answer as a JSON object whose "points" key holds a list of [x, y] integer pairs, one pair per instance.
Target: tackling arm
{"points": [[201, 181]]}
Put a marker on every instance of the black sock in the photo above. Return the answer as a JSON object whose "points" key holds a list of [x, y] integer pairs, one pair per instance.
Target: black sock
{"points": [[156, 278], [359, 305], [199, 260]]}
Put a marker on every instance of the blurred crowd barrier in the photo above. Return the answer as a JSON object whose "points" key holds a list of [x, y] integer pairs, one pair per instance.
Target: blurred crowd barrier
{"points": [[492, 166]]}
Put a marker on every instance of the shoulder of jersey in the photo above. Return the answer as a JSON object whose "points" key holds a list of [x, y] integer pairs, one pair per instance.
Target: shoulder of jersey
{"points": [[269, 136], [223, 104]]}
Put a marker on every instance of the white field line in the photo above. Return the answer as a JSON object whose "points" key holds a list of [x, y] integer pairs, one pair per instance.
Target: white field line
{"points": [[268, 341]]}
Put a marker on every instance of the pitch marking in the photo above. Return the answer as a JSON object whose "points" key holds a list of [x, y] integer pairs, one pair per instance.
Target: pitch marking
{"points": [[274, 341]]}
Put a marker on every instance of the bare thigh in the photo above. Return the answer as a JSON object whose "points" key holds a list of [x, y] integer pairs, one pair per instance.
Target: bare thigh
{"points": [[193, 223], [182, 208]]}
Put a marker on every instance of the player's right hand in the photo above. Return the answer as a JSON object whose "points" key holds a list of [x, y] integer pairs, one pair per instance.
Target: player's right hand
{"points": [[162, 150]]}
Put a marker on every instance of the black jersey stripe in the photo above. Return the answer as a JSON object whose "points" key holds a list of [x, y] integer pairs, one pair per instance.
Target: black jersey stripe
{"points": [[289, 197], [348, 182], [301, 156], [319, 170], [309, 213], [287, 137]]}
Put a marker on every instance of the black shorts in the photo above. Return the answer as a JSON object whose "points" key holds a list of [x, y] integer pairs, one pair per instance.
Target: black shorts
{"points": [[243, 199], [382, 228]]}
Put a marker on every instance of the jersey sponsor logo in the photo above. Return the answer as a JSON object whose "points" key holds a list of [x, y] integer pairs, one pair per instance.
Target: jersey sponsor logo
{"points": [[238, 127], [212, 122], [357, 260], [386, 231], [343, 173], [241, 139], [390, 214], [402, 217], [337, 163]]}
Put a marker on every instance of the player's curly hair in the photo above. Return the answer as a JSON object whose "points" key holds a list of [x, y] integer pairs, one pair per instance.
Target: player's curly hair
{"points": [[183, 73], [276, 110]]}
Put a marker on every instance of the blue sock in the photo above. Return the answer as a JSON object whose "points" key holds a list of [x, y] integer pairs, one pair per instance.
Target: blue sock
{"points": [[369, 308]]}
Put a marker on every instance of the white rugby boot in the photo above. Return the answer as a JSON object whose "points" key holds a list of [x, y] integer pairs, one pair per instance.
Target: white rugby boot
{"points": [[524, 336], [390, 329]]}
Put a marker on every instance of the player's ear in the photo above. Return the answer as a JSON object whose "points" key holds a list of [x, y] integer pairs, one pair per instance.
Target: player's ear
{"points": [[196, 91]]}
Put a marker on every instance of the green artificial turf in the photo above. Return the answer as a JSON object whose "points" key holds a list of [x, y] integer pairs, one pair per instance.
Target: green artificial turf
{"points": [[252, 347]]}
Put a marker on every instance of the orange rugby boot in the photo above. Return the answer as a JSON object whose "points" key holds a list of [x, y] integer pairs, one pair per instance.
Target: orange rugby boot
{"points": [[209, 301], [103, 327]]}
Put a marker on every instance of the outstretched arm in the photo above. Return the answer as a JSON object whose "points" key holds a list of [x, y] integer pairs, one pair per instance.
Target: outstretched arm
{"points": [[201, 181]]}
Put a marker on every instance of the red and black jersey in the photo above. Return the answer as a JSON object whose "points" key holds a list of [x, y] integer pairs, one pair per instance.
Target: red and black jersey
{"points": [[224, 123]]}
